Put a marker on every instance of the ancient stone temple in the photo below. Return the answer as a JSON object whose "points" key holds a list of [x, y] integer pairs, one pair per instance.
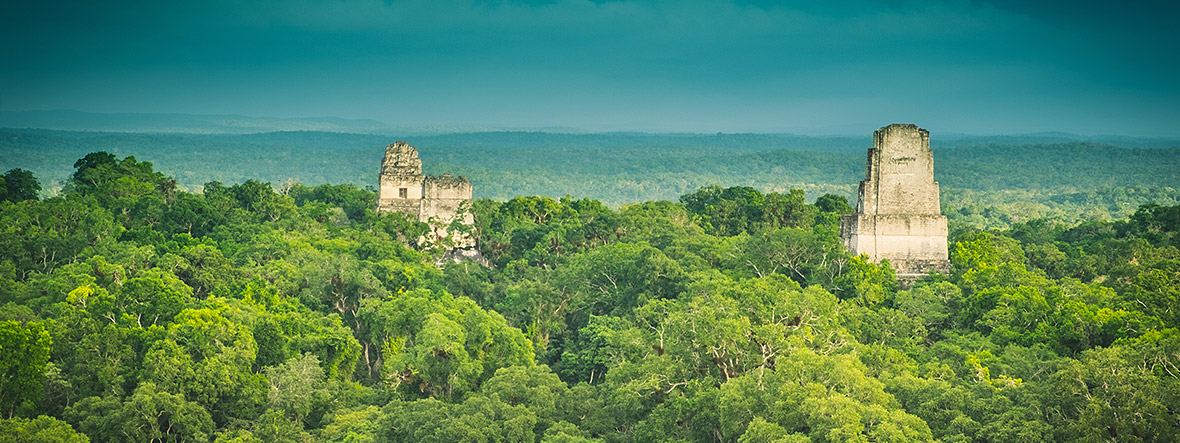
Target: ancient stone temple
{"points": [[434, 200], [897, 207]]}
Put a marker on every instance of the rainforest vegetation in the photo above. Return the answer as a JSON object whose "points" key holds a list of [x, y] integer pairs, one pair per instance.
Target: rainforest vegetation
{"points": [[132, 310], [986, 182]]}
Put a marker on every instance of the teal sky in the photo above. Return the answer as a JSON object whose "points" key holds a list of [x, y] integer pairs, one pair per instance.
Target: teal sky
{"points": [[980, 67]]}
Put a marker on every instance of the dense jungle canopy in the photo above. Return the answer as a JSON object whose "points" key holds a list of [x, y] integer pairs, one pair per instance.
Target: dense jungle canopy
{"points": [[134, 310]]}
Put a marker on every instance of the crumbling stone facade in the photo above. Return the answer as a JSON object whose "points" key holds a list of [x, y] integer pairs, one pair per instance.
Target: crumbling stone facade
{"points": [[438, 201], [898, 217]]}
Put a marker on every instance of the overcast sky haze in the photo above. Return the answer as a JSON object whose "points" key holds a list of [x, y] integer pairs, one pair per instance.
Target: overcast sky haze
{"points": [[979, 67]]}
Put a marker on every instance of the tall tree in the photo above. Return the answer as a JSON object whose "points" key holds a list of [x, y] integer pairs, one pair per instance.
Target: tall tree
{"points": [[24, 351], [20, 185]]}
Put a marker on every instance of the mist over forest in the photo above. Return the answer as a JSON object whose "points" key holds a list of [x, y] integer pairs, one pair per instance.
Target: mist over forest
{"points": [[239, 287], [1017, 178], [663, 240]]}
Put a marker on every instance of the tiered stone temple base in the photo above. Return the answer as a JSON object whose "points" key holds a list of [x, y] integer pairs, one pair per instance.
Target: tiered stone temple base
{"points": [[898, 217]]}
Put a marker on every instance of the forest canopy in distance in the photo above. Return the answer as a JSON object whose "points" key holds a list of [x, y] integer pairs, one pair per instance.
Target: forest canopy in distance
{"points": [[986, 182], [132, 309]]}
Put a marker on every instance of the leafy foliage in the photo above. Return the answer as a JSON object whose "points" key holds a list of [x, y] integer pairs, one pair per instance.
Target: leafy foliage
{"points": [[133, 310], [18, 185]]}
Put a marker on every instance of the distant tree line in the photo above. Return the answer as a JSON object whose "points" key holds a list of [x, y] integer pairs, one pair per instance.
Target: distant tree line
{"points": [[133, 310], [988, 182]]}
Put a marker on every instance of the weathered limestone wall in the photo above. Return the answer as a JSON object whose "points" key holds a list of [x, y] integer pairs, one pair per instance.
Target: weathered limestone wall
{"points": [[898, 217], [435, 200], [444, 197], [448, 198], [447, 186], [401, 180], [390, 199]]}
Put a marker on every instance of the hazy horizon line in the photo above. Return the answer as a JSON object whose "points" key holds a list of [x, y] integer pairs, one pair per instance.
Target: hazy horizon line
{"points": [[374, 126]]}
